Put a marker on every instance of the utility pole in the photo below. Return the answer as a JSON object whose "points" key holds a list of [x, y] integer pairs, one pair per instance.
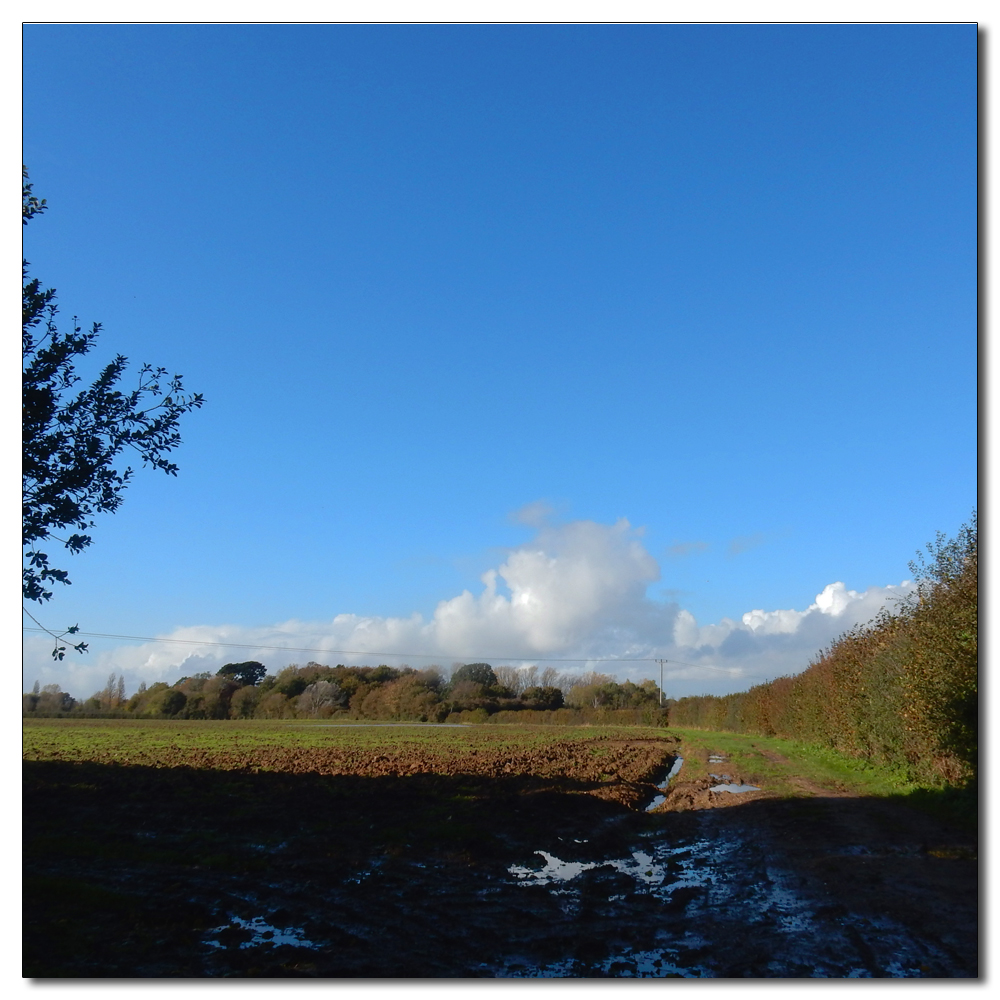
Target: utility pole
{"points": [[661, 662]]}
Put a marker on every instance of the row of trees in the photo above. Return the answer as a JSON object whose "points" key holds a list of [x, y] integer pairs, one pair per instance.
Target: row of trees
{"points": [[247, 691], [901, 691]]}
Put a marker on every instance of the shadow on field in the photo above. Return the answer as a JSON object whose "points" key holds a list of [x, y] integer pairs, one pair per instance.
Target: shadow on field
{"points": [[126, 868], [192, 872]]}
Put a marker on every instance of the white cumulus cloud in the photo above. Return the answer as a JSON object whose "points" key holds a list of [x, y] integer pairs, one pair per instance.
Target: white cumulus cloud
{"points": [[835, 601], [577, 591]]}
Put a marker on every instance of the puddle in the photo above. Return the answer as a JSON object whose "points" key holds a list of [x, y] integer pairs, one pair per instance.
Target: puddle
{"points": [[660, 799], [555, 870], [263, 933], [674, 768], [735, 789], [710, 905], [693, 861], [640, 866]]}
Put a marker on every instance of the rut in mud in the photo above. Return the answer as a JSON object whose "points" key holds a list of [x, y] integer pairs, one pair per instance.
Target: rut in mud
{"points": [[318, 863]]}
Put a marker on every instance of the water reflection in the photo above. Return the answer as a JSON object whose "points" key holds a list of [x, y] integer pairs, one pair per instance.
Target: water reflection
{"points": [[640, 866], [263, 933], [660, 799]]}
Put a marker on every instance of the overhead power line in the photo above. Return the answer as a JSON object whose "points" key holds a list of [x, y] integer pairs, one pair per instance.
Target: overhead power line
{"points": [[374, 655]]}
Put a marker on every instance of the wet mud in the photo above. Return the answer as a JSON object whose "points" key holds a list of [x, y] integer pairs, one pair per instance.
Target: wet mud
{"points": [[550, 867]]}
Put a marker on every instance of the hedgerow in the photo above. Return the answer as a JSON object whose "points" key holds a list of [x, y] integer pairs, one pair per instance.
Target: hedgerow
{"points": [[901, 691]]}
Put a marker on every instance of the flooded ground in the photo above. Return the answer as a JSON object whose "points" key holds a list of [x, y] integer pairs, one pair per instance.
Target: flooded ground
{"points": [[199, 872]]}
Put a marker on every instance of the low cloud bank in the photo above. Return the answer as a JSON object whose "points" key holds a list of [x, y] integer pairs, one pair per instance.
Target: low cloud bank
{"points": [[576, 592]]}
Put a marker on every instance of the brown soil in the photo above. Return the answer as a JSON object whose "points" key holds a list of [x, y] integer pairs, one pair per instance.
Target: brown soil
{"points": [[320, 862], [860, 854], [686, 794]]}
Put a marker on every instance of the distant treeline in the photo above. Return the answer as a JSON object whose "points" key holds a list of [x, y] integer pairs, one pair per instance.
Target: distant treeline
{"points": [[474, 692], [901, 691]]}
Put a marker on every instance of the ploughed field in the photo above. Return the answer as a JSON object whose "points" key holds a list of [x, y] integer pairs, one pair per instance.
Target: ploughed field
{"points": [[283, 849], [620, 764]]}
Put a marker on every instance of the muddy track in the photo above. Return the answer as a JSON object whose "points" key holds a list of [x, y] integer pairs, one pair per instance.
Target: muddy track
{"points": [[538, 862], [686, 793]]}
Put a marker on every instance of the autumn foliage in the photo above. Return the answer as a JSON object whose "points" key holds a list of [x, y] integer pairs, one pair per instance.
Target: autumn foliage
{"points": [[901, 691]]}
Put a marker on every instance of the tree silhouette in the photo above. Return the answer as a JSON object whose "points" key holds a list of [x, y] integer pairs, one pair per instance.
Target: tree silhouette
{"points": [[72, 438], [249, 672]]}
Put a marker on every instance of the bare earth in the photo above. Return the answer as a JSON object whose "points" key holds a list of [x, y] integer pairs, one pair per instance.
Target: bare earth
{"points": [[531, 862], [864, 862]]}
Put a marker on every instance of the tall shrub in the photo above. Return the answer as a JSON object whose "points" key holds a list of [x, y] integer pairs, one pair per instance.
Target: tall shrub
{"points": [[901, 691]]}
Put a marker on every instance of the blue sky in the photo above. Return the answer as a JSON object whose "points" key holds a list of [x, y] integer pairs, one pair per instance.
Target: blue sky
{"points": [[661, 326]]}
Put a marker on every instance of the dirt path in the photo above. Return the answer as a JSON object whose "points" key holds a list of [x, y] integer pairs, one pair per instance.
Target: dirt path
{"points": [[859, 859]]}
